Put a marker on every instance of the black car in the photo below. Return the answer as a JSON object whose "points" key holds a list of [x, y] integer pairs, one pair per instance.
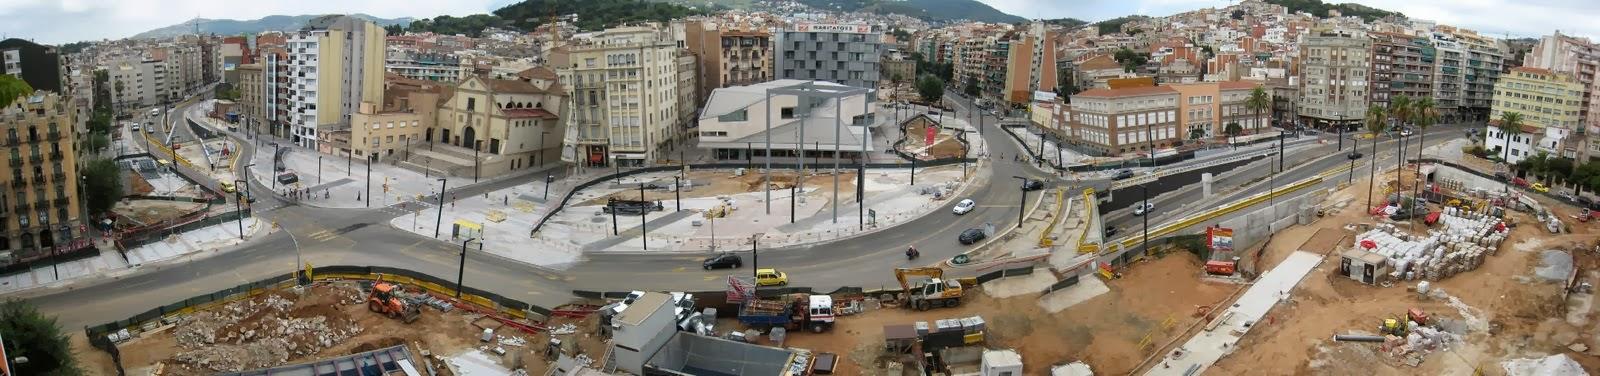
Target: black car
{"points": [[1124, 174], [288, 178], [1032, 185], [1354, 155], [972, 235], [1111, 231], [722, 260]]}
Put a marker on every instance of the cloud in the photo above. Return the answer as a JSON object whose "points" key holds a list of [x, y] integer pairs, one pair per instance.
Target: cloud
{"points": [[61, 21]]}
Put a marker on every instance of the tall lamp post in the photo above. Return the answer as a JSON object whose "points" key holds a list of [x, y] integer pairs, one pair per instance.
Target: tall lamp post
{"points": [[439, 219], [1022, 208], [541, 161], [461, 267]]}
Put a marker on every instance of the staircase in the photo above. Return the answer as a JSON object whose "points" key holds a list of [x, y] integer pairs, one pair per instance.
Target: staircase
{"points": [[443, 159]]}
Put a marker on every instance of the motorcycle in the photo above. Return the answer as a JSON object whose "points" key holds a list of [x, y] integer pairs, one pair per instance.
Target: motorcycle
{"points": [[912, 254]]}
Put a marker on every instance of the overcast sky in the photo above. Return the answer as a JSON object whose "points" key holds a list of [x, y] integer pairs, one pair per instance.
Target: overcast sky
{"points": [[60, 21]]}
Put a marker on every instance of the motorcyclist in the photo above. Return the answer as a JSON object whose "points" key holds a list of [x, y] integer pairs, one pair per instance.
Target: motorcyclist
{"points": [[911, 252]]}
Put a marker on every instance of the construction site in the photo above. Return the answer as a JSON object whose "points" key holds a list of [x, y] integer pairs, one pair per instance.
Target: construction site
{"points": [[1444, 271]]}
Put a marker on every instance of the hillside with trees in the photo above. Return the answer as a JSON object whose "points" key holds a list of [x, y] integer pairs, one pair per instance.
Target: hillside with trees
{"points": [[592, 14], [1320, 9]]}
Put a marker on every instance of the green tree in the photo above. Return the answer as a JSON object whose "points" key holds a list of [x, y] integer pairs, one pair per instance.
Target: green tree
{"points": [[1258, 101], [1196, 134], [98, 141], [1559, 169], [1399, 113], [1586, 176], [100, 121], [395, 29], [930, 88], [972, 89], [103, 182], [1423, 115], [1233, 130], [12, 88], [1510, 126], [35, 336]]}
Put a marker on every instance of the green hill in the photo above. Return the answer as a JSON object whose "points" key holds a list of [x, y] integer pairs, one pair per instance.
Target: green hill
{"points": [[1320, 9]]}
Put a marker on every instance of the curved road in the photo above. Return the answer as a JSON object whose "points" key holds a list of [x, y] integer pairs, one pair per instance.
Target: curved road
{"points": [[363, 237]]}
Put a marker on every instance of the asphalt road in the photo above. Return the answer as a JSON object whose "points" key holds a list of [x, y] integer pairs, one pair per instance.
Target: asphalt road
{"points": [[362, 237]]}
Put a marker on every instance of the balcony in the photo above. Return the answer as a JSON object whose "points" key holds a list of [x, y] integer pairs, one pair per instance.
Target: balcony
{"points": [[53, 136], [59, 201], [22, 207], [12, 141], [38, 179], [19, 183], [58, 177], [35, 159], [16, 162]]}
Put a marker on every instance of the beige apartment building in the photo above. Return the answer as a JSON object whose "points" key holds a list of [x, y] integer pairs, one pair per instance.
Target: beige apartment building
{"points": [[1206, 109], [334, 64], [41, 203], [1334, 77], [252, 88], [624, 92], [729, 54]]}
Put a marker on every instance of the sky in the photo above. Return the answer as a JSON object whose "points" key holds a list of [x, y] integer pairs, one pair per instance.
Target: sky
{"points": [[61, 21]]}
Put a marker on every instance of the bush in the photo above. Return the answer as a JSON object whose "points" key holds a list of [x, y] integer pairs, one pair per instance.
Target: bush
{"points": [[31, 334]]}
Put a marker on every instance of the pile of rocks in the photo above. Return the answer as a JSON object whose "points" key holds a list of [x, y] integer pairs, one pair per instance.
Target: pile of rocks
{"points": [[257, 333]]}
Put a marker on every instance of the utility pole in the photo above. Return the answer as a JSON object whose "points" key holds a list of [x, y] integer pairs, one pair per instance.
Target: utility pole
{"points": [[439, 219], [644, 232]]}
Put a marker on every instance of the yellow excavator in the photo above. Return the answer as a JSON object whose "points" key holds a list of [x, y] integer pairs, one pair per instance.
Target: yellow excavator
{"points": [[930, 290]]}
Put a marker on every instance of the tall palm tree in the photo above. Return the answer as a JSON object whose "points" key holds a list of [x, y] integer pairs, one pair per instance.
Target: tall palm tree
{"points": [[1375, 125], [1510, 126], [1259, 101], [1399, 112], [1423, 115]]}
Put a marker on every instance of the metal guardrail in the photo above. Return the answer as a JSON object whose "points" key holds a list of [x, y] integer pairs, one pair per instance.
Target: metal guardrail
{"points": [[1164, 172]]}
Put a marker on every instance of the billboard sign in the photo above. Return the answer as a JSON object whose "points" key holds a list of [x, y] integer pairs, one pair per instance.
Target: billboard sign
{"points": [[833, 28], [1044, 96], [932, 131], [1219, 239]]}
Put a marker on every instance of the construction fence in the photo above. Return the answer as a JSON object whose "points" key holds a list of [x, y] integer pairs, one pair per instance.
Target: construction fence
{"points": [[138, 237]]}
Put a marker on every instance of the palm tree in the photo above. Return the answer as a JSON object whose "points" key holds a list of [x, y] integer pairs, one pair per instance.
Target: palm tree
{"points": [[1510, 126], [12, 88], [1233, 130], [1259, 100], [1399, 112], [1423, 115], [1375, 119]]}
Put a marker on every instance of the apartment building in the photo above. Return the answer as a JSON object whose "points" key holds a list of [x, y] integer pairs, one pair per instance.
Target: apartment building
{"points": [[688, 95], [334, 64], [623, 83], [141, 82], [843, 53], [42, 203], [429, 66], [1401, 65], [1334, 76], [1483, 58], [1129, 120], [1580, 59], [1206, 109], [729, 54], [1550, 104], [252, 91], [1031, 64], [38, 65]]}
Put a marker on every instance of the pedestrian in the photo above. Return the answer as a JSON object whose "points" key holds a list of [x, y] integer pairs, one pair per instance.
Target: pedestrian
{"points": [[326, 195], [358, 195], [505, 199]]}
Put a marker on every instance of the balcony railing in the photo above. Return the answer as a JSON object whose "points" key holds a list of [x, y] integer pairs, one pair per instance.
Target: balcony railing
{"points": [[59, 201], [36, 158], [56, 156]]}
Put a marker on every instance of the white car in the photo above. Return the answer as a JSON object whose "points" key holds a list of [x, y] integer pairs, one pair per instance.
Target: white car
{"points": [[1142, 210], [964, 206]]}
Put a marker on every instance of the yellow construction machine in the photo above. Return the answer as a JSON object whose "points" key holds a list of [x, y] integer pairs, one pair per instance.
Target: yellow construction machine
{"points": [[930, 290]]}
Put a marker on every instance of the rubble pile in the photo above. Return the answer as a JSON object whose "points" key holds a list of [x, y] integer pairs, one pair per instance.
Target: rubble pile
{"points": [[1459, 244], [257, 333], [1417, 344]]}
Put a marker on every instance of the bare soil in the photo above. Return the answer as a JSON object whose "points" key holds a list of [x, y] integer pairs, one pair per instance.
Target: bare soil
{"points": [[1104, 331], [133, 213], [945, 144]]}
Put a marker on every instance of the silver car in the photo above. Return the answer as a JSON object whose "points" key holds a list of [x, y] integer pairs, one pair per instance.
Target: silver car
{"points": [[964, 207]]}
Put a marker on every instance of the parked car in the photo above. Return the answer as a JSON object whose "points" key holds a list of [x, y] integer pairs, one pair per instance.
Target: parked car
{"points": [[1539, 187], [964, 207], [722, 260], [1111, 231], [1145, 209], [971, 235], [1519, 182], [1032, 185], [1124, 174], [771, 277]]}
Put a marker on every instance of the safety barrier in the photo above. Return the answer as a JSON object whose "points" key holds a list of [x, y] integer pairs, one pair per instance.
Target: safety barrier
{"points": [[1044, 236], [1164, 172], [1208, 215], [1090, 210]]}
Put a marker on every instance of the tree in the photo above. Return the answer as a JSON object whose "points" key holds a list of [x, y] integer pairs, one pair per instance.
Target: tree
{"points": [[1125, 56], [1375, 125], [35, 336], [100, 121], [1399, 113], [1196, 134], [972, 89], [12, 88], [1233, 130], [103, 182], [1510, 126], [98, 141], [395, 29], [1259, 101], [1423, 115], [1238, 14], [930, 88], [1587, 176], [1559, 169]]}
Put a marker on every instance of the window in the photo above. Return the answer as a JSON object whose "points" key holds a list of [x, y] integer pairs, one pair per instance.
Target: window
{"points": [[740, 115], [472, 104]]}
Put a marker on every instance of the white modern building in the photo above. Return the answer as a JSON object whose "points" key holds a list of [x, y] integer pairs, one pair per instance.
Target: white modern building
{"points": [[739, 122], [1529, 142]]}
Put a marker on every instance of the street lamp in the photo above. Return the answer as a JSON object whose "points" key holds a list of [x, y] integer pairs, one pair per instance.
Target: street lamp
{"points": [[319, 169], [1023, 207], [541, 148], [438, 220], [238, 210], [644, 232], [461, 267]]}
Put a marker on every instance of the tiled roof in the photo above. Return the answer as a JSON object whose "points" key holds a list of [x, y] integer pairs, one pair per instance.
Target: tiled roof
{"points": [[1100, 62], [1237, 85], [541, 73], [1127, 92], [523, 113]]}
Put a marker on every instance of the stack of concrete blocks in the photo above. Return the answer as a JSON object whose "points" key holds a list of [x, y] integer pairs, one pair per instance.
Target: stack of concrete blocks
{"points": [[1460, 244]]}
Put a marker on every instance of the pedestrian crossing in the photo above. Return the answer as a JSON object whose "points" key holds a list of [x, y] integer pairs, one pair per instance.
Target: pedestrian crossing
{"points": [[324, 235]]}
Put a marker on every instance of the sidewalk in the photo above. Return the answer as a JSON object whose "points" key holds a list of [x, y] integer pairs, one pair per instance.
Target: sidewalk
{"points": [[220, 237], [343, 183]]}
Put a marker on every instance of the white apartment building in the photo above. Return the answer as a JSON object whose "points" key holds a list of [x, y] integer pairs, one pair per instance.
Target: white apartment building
{"points": [[624, 87], [1333, 80]]}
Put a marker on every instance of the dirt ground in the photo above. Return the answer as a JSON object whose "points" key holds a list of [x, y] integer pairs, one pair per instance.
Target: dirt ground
{"points": [[133, 213], [1104, 331], [1518, 310], [140, 186], [713, 183], [185, 348], [945, 144]]}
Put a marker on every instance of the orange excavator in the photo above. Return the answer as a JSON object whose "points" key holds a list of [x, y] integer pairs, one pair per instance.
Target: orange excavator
{"points": [[383, 299]]}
